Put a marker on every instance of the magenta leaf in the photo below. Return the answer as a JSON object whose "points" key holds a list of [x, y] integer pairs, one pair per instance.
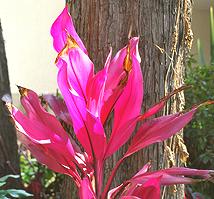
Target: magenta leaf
{"points": [[80, 70], [47, 126], [39, 152], [76, 105], [174, 175], [59, 108], [117, 78], [42, 134], [86, 190], [145, 168], [97, 135], [124, 131], [151, 189], [159, 129], [87, 127], [60, 29], [96, 88], [73, 103], [129, 197], [131, 97], [160, 105]]}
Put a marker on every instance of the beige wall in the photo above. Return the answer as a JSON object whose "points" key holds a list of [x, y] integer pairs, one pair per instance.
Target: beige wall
{"points": [[26, 29], [201, 29]]}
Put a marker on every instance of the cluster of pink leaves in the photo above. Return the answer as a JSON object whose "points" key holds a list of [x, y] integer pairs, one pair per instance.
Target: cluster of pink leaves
{"points": [[89, 98]]}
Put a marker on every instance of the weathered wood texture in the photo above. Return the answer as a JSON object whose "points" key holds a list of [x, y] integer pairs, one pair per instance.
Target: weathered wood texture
{"points": [[9, 159], [164, 28]]}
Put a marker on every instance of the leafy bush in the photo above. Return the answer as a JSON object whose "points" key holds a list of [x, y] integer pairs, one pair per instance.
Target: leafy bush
{"points": [[199, 134], [33, 173]]}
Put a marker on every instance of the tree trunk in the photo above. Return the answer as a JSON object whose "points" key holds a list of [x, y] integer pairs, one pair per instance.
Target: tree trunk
{"points": [[164, 28], [9, 159]]}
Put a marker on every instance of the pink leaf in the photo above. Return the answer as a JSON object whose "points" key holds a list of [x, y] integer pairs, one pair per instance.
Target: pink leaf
{"points": [[124, 131], [110, 103], [59, 108], [88, 128], [39, 152], [75, 72], [97, 135], [38, 115], [174, 175], [117, 77], [48, 157], [51, 148], [45, 131], [77, 109], [128, 105], [159, 129], [80, 71], [160, 105], [60, 29], [151, 189], [145, 169], [95, 89], [86, 191], [129, 197], [113, 192]]}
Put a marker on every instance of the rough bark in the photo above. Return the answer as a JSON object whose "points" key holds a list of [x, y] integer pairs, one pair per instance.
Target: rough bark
{"points": [[9, 159], [164, 28]]}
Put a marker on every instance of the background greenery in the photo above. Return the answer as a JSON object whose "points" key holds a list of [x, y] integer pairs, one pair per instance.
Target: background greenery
{"points": [[199, 134]]}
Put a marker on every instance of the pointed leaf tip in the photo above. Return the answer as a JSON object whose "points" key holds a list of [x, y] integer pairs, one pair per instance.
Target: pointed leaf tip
{"points": [[160, 105], [59, 29], [23, 91], [208, 102]]}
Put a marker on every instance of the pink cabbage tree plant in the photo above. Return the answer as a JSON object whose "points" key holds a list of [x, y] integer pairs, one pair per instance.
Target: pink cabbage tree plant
{"points": [[89, 98]]}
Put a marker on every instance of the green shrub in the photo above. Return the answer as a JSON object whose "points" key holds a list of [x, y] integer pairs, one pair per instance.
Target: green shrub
{"points": [[199, 134]]}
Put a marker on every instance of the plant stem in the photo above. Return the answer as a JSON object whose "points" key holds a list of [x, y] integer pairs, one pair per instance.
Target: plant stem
{"points": [[99, 177], [111, 178]]}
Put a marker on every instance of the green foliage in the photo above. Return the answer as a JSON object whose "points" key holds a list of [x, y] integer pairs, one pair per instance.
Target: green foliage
{"points": [[199, 134], [15, 193], [31, 169]]}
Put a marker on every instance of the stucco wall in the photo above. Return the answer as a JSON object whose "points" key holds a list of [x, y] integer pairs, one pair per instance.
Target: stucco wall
{"points": [[201, 29], [26, 29]]}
